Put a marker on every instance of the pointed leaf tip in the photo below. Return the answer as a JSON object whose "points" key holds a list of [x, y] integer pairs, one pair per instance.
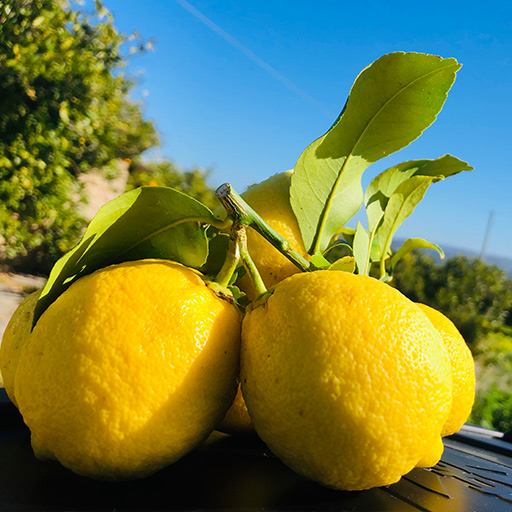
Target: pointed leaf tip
{"points": [[390, 104]]}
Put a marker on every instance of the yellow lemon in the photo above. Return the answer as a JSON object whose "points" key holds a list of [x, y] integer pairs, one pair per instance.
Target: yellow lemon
{"points": [[129, 369], [237, 419], [345, 379], [463, 370], [14, 339], [271, 200]]}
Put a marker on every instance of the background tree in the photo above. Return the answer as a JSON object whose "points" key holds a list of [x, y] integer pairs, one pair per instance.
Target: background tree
{"points": [[477, 297], [166, 174], [64, 109]]}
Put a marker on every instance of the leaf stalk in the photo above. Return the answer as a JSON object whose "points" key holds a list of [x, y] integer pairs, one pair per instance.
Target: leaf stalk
{"points": [[223, 277], [238, 209], [257, 282]]}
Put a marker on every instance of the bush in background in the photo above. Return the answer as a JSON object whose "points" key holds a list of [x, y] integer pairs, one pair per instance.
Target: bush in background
{"points": [[165, 173], [493, 360], [64, 109], [477, 297]]}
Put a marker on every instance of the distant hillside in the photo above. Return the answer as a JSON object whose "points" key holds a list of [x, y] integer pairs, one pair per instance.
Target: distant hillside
{"points": [[450, 252], [503, 263]]}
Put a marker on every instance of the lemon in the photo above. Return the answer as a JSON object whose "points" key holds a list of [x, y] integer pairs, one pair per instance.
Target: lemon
{"points": [[271, 200], [463, 370], [345, 379], [129, 369], [14, 339], [237, 419]]}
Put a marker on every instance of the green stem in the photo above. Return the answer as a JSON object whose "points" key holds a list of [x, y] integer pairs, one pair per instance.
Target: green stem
{"points": [[370, 243], [382, 266], [246, 216], [221, 225], [230, 264], [250, 267]]}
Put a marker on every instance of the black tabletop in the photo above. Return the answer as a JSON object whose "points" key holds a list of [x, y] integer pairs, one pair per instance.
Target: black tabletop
{"points": [[240, 473]]}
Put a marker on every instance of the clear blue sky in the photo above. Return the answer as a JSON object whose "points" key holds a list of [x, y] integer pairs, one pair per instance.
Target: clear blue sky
{"points": [[242, 87]]}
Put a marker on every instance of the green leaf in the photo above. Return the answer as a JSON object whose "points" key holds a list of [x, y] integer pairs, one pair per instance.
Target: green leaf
{"points": [[147, 222], [239, 296], [390, 104], [409, 245], [338, 249], [348, 236], [346, 264], [362, 246], [399, 206], [384, 185], [392, 196], [319, 261], [217, 249]]}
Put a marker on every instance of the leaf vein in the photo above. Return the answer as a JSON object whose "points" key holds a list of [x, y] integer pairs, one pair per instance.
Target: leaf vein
{"points": [[350, 154]]}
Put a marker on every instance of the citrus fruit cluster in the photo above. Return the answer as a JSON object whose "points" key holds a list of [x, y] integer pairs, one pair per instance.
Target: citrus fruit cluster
{"points": [[167, 321], [346, 380]]}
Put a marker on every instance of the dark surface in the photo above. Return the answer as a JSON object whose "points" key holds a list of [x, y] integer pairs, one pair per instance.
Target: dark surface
{"points": [[239, 473]]}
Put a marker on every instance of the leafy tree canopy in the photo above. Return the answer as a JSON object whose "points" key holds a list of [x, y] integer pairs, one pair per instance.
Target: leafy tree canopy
{"points": [[165, 173], [64, 109], [474, 295]]}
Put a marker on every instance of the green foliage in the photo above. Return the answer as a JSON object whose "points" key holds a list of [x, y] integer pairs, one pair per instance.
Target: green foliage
{"points": [[165, 174], [147, 222], [64, 109], [495, 351], [393, 195], [493, 403], [390, 104], [493, 410], [508, 319], [474, 295]]}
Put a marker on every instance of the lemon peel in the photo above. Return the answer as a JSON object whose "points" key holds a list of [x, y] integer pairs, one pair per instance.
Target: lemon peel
{"points": [[15, 337], [345, 379], [463, 369], [129, 369]]}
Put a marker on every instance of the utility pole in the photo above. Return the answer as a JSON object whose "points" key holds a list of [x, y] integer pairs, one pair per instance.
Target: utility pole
{"points": [[486, 237]]}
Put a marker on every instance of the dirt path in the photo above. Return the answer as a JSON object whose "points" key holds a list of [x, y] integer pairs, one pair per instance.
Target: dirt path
{"points": [[13, 287]]}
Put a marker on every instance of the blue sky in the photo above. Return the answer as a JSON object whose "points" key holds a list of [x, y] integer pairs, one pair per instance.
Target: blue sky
{"points": [[241, 88]]}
